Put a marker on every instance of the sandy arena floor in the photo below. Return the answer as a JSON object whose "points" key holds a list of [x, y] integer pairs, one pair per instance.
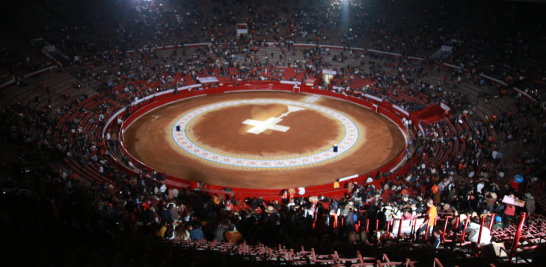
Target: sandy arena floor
{"points": [[221, 131]]}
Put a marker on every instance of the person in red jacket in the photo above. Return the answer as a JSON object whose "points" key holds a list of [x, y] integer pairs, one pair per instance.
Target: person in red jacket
{"points": [[509, 212], [514, 183], [436, 194]]}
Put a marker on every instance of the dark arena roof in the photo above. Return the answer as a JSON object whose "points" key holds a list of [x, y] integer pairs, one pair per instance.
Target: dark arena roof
{"points": [[457, 87]]}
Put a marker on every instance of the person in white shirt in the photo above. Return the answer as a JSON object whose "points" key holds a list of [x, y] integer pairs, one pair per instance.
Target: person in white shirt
{"points": [[310, 212], [473, 230], [441, 186], [291, 204], [175, 193], [397, 213], [480, 187], [163, 188]]}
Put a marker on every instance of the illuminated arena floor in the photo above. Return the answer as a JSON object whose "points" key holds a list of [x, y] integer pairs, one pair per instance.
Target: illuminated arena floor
{"points": [[263, 140]]}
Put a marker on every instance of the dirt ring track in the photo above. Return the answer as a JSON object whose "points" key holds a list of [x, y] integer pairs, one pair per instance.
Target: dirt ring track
{"points": [[214, 146]]}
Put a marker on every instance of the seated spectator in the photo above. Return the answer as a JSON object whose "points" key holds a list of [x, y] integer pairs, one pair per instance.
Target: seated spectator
{"points": [[169, 232], [196, 234], [162, 229], [181, 233], [452, 224], [219, 233], [232, 235], [436, 239], [447, 209], [498, 223]]}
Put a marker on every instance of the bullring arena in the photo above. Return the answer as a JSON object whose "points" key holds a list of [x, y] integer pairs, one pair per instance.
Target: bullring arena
{"points": [[215, 147], [269, 133]]}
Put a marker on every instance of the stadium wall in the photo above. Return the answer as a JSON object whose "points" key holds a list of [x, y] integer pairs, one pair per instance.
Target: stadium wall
{"points": [[393, 113]]}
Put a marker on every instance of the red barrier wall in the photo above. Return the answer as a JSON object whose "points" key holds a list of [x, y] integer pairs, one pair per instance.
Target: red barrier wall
{"points": [[429, 114], [268, 194]]}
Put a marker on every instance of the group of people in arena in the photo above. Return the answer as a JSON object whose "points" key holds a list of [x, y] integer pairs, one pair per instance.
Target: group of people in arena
{"points": [[468, 186]]}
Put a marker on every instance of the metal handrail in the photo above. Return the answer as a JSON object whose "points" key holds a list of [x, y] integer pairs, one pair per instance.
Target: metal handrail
{"points": [[516, 254]]}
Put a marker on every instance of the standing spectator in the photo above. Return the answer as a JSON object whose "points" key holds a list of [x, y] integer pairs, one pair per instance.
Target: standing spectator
{"points": [[170, 193], [175, 193], [148, 218], [163, 188], [430, 218], [165, 214], [530, 205], [436, 194], [491, 198], [509, 212], [175, 212]]}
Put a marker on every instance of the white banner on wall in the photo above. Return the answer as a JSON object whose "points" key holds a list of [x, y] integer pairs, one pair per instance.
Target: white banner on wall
{"points": [[493, 79], [291, 82], [401, 110], [445, 107], [348, 178], [447, 48], [453, 66], [383, 52], [49, 48], [329, 72], [373, 97], [115, 116], [416, 58], [207, 79], [523, 93]]}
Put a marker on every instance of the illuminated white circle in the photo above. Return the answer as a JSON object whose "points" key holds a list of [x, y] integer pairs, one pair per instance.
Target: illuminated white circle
{"points": [[352, 136]]}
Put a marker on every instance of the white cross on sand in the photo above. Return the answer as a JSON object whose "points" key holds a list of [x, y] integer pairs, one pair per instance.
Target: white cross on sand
{"points": [[271, 123]]}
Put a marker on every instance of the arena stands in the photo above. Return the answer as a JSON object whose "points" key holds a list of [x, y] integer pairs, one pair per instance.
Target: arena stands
{"points": [[72, 198]]}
